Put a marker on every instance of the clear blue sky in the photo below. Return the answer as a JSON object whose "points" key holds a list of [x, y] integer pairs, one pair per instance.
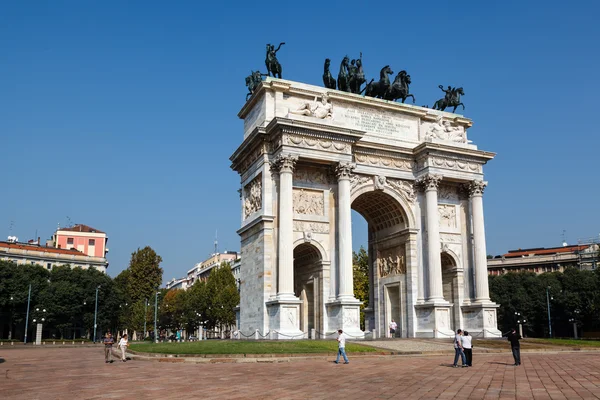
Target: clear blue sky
{"points": [[122, 115]]}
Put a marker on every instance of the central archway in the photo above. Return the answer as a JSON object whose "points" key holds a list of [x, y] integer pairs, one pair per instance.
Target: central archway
{"points": [[388, 246]]}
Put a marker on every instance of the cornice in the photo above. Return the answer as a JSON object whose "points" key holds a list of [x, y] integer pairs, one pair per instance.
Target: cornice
{"points": [[287, 125], [428, 148]]}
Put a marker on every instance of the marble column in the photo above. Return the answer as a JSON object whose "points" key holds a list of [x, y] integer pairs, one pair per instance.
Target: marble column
{"points": [[285, 165], [344, 172], [482, 293], [430, 184]]}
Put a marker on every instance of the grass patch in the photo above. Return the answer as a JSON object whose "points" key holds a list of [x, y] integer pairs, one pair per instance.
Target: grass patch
{"points": [[249, 347], [568, 342]]}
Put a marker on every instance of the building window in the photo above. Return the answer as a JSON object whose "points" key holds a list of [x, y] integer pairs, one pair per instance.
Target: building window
{"points": [[69, 240], [49, 266], [92, 242]]}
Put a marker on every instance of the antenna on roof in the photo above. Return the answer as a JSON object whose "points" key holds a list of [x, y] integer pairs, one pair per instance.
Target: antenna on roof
{"points": [[564, 238], [69, 222], [216, 242]]}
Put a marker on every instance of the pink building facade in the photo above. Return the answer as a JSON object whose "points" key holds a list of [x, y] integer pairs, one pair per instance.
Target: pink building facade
{"points": [[83, 238]]}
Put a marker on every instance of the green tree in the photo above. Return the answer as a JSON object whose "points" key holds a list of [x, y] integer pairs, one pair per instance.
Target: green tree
{"points": [[145, 274], [222, 297], [360, 276]]}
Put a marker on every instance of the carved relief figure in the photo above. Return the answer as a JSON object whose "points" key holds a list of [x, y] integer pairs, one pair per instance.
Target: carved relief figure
{"points": [[447, 215], [444, 130], [447, 192], [308, 202], [405, 188], [309, 175], [322, 109], [379, 182], [358, 180], [314, 227], [391, 264], [253, 196]]}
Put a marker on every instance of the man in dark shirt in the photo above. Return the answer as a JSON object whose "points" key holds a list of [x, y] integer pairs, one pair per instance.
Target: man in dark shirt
{"points": [[513, 338], [108, 342]]}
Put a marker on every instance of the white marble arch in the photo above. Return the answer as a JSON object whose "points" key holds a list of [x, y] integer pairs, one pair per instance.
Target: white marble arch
{"points": [[406, 159]]}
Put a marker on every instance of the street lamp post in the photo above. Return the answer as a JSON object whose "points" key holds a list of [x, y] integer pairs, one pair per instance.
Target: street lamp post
{"points": [[145, 317], [155, 314], [27, 317], [548, 303], [96, 313]]}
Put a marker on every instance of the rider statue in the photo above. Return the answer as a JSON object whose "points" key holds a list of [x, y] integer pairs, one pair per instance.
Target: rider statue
{"points": [[449, 93], [273, 66]]}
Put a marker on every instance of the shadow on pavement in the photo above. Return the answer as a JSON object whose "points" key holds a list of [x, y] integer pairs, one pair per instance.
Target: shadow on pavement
{"points": [[499, 363]]}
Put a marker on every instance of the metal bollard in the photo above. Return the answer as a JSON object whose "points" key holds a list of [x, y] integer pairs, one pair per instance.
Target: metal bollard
{"points": [[256, 334], [374, 334], [313, 333]]}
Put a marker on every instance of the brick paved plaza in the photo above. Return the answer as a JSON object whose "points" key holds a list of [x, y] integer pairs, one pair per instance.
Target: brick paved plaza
{"points": [[80, 373]]}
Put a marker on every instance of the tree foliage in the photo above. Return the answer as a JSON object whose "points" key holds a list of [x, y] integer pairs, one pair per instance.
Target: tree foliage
{"points": [[573, 294], [67, 294], [221, 297], [360, 276], [145, 274]]}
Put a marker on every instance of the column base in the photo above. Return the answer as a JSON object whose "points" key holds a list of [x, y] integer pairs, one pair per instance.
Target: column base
{"points": [[284, 318], [433, 320], [345, 315], [480, 319]]}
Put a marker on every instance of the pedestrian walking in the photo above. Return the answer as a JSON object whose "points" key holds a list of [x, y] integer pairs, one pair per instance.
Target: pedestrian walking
{"points": [[458, 350], [467, 344], [123, 344], [513, 338], [393, 327], [108, 342], [341, 347]]}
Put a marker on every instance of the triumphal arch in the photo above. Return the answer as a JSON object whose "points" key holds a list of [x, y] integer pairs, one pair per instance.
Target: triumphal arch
{"points": [[309, 156]]}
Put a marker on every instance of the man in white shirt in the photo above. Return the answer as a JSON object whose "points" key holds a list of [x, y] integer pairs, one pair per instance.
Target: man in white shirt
{"points": [[393, 327], [467, 347], [458, 350], [341, 347]]}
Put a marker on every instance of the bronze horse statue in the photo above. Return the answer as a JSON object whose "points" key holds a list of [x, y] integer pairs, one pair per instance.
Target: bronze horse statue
{"points": [[273, 66], [342, 81], [399, 89], [328, 80], [378, 89], [452, 99]]}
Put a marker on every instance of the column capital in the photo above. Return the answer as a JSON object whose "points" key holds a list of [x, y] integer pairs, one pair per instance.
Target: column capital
{"points": [[284, 163], [475, 188], [429, 182], [344, 170]]}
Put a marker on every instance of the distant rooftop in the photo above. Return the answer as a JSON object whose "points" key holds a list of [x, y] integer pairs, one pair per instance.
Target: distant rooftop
{"points": [[542, 251], [81, 228]]}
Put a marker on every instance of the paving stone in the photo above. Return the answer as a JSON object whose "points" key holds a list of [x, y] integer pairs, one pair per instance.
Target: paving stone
{"points": [[80, 373]]}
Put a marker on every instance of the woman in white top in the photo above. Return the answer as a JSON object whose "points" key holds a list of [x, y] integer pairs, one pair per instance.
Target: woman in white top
{"points": [[466, 341], [123, 344]]}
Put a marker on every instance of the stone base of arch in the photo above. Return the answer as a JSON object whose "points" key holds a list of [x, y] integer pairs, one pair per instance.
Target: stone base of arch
{"points": [[433, 320], [345, 315], [480, 320], [284, 319]]}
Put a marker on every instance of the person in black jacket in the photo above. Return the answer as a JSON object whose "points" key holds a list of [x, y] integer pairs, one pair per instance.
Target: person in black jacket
{"points": [[513, 338]]}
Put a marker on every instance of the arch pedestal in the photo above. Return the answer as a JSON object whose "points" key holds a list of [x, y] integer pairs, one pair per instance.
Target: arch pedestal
{"points": [[409, 171]]}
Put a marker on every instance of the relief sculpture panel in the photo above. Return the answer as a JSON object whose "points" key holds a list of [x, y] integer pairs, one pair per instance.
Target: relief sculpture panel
{"points": [[447, 213], [308, 202], [391, 262], [253, 196]]}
